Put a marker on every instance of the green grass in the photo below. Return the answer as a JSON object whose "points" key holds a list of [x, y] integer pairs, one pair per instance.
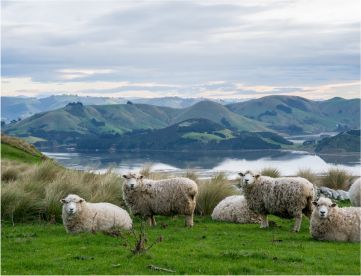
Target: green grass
{"points": [[210, 247], [205, 137], [32, 140], [12, 153]]}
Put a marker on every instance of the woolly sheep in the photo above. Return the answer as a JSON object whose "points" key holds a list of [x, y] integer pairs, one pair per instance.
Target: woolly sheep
{"points": [[355, 193], [78, 215], [234, 209], [286, 197], [330, 223], [167, 197]]}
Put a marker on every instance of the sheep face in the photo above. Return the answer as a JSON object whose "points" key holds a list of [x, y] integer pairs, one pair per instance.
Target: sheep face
{"points": [[72, 204], [249, 177], [132, 179], [324, 207]]}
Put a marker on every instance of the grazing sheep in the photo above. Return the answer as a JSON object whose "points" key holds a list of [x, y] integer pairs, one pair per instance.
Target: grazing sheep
{"points": [[234, 209], [78, 215], [330, 223], [285, 197], [355, 193], [167, 197]]}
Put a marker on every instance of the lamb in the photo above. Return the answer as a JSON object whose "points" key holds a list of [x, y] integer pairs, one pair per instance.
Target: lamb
{"points": [[355, 193], [330, 223], [234, 209], [167, 197], [80, 216], [286, 197]]}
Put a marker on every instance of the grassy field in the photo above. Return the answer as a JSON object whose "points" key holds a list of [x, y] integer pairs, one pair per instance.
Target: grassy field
{"points": [[210, 247], [12, 153]]}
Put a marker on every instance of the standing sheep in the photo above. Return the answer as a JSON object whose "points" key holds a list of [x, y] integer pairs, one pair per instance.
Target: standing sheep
{"points": [[355, 193], [78, 215], [167, 197], [234, 209], [330, 223], [286, 197]]}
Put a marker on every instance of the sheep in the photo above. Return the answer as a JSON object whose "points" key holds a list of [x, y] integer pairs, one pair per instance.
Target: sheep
{"points": [[330, 223], [286, 197], [167, 197], [234, 209], [80, 216], [355, 193]]}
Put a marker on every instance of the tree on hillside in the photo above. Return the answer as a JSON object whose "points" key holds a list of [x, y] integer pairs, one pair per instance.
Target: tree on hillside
{"points": [[129, 102]]}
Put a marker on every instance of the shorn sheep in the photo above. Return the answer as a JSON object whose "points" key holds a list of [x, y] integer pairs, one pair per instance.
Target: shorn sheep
{"points": [[167, 197], [285, 197], [80, 216], [234, 209], [355, 193], [330, 223]]}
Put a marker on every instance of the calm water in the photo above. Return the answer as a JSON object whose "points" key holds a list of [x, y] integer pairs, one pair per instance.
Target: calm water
{"points": [[309, 137], [207, 162]]}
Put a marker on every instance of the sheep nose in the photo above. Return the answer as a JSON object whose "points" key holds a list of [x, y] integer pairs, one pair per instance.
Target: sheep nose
{"points": [[322, 212], [71, 209], [131, 185]]}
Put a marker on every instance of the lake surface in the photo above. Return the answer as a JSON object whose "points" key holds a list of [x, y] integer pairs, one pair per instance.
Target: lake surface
{"points": [[207, 162], [308, 137]]}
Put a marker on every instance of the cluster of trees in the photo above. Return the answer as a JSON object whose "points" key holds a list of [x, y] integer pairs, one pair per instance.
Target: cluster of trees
{"points": [[284, 108], [97, 123], [269, 113], [75, 104], [138, 131]]}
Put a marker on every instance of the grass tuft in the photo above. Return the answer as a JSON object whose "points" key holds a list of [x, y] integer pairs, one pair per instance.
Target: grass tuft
{"points": [[309, 174], [271, 172], [337, 178], [192, 173]]}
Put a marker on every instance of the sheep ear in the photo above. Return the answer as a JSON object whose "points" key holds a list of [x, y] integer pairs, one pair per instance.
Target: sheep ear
{"points": [[142, 176], [81, 200], [333, 205], [241, 174], [62, 200], [257, 175], [124, 176], [314, 203]]}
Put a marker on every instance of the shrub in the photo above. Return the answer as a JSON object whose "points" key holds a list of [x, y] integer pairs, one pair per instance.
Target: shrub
{"points": [[271, 172], [337, 178], [308, 173]]}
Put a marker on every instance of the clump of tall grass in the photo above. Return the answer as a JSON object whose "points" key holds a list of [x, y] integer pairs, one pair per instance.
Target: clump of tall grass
{"points": [[337, 178], [271, 172], [309, 174], [20, 144], [147, 171], [211, 192], [192, 173]]}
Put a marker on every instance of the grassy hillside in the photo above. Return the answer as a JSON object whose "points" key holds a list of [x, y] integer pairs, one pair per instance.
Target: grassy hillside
{"points": [[345, 142], [289, 114]]}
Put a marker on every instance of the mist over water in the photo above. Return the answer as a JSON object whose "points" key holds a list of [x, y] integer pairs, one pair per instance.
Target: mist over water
{"points": [[207, 162]]}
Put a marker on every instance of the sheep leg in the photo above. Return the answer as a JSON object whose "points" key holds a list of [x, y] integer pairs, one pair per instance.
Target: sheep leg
{"points": [[189, 221], [153, 221], [149, 221], [264, 221], [298, 223]]}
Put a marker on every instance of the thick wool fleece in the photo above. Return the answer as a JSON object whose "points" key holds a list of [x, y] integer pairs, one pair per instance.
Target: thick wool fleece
{"points": [[108, 216], [340, 224], [167, 197], [234, 209], [355, 193]]}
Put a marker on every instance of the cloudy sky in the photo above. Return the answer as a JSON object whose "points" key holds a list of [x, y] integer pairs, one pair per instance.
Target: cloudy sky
{"points": [[214, 49]]}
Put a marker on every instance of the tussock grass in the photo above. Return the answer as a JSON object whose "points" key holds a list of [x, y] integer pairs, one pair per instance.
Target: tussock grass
{"points": [[211, 192], [271, 172], [20, 144], [309, 174], [192, 173], [337, 178]]}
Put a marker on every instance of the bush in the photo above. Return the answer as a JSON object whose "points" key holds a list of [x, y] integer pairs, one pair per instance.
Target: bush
{"points": [[337, 178], [271, 172], [309, 174]]}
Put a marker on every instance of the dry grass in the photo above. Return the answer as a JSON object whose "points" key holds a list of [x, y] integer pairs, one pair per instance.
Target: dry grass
{"points": [[309, 174], [192, 173], [271, 172], [20, 144], [337, 178]]}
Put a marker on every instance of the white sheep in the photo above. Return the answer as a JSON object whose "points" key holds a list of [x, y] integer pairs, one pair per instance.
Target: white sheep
{"points": [[80, 216], [330, 223], [355, 193], [167, 197], [234, 209], [286, 197]]}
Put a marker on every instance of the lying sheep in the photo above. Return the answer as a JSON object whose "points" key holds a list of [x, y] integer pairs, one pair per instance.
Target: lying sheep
{"points": [[167, 197], [330, 223], [234, 209], [286, 197], [78, 215], [355, 193]]}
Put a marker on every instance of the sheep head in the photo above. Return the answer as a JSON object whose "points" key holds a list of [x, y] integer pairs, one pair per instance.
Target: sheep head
{"points": [[249, 177], [324, 207], [72, 204], [132, 179]]}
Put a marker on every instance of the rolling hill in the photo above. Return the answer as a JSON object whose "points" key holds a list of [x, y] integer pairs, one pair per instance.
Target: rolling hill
{"points": [[289, 114], [344, 142]]}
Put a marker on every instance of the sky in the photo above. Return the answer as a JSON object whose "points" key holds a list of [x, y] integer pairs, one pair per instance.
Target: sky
{"points": [[211, 49]]}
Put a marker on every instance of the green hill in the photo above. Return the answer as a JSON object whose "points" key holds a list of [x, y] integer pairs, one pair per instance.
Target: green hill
{"points": [[289, 114], [68, 124], [344, 142], [191, 134]]}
